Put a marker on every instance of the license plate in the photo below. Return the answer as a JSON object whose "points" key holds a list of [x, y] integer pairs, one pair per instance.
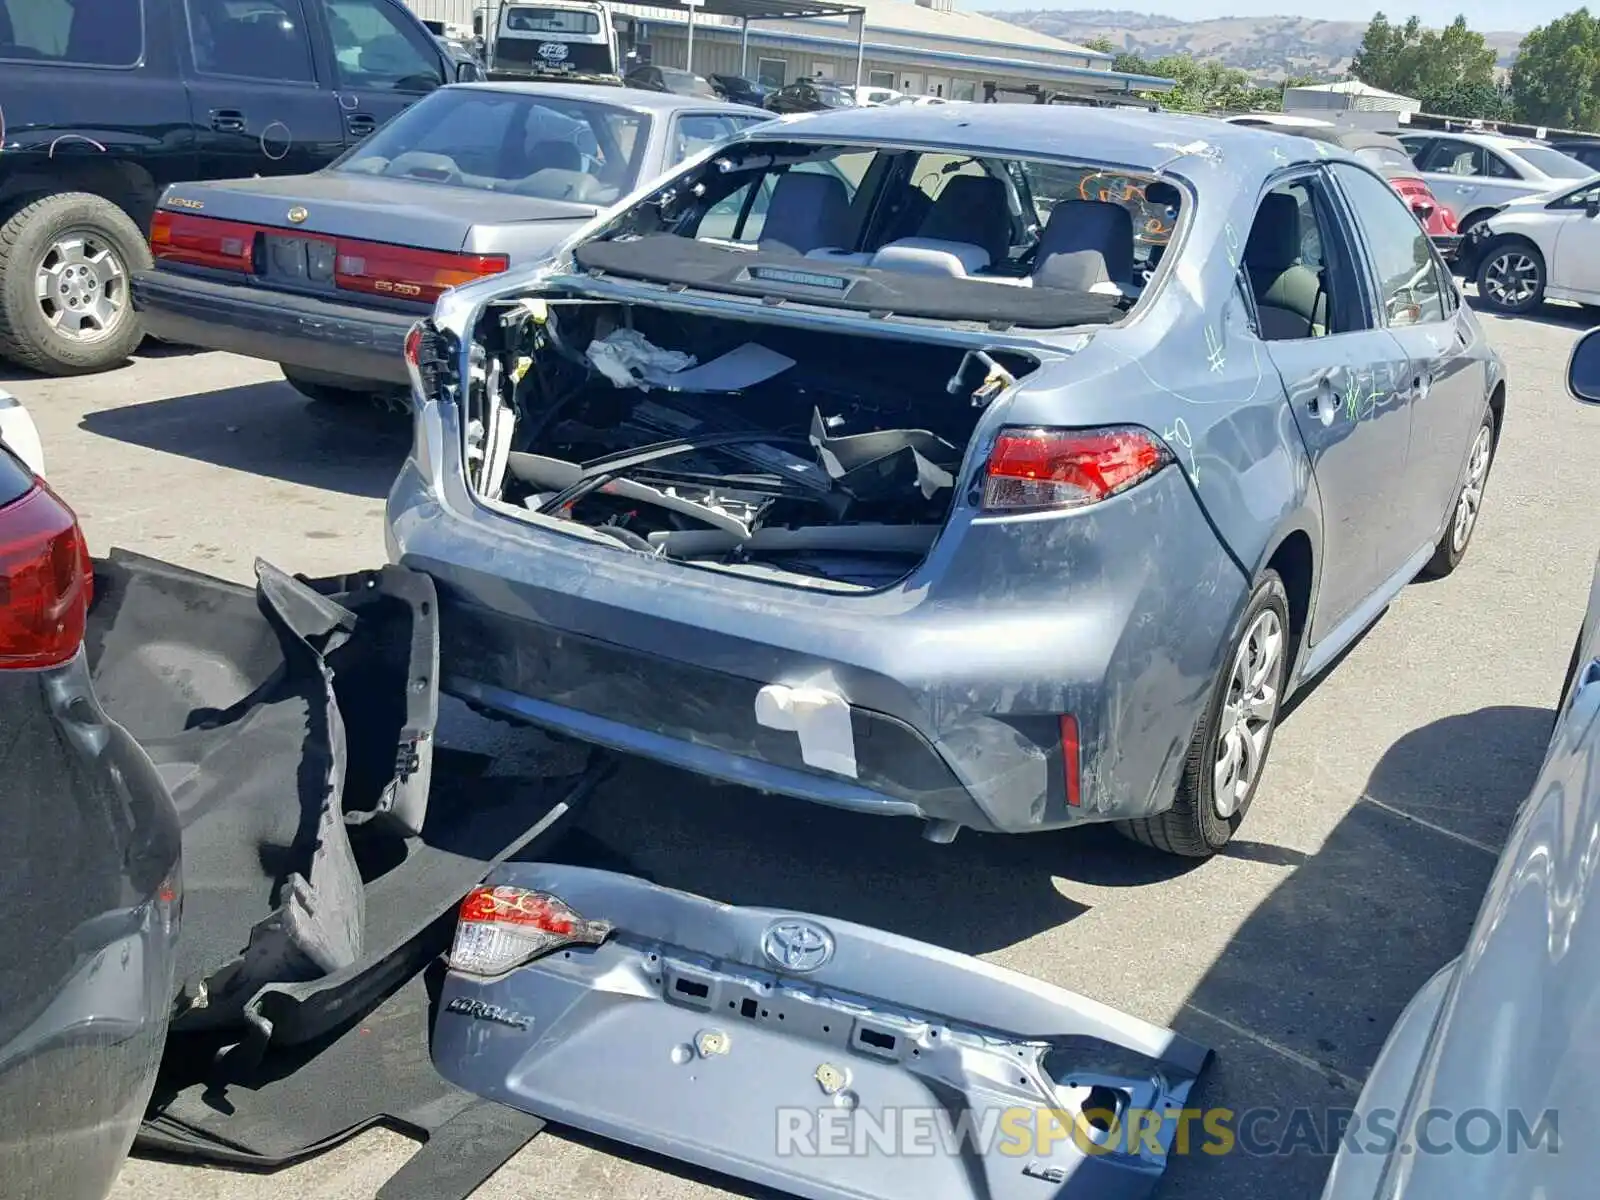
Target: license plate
{"points": [[300, 259]]}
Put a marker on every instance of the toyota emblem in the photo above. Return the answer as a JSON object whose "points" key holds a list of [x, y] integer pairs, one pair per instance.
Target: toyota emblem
{"points": [[796, 945]]}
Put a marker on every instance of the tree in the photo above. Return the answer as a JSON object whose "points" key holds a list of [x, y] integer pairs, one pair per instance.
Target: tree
{"points": [[1453, 65], [1554, 81], [1102, 44]]}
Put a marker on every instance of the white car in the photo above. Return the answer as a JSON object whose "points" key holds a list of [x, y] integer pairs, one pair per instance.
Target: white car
{"points": [[19, 434], [1540, 247], [867, 97]]}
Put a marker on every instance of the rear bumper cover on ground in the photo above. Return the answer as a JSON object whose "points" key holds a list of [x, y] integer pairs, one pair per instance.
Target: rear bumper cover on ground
{"points": [[816, 1056], [359, 343]]}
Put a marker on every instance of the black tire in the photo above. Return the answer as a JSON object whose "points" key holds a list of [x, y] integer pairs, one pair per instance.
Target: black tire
{"points": [[322, 390], [1196, 826], [28, 239], [1513, 257], [1447, 555]]}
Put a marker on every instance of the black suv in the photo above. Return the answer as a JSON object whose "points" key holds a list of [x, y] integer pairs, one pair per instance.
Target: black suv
{"points": [[105, 102]]}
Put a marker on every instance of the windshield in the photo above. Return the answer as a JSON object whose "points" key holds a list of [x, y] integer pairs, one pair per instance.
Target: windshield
{"points": [[531, 145], [576, 22], [1385, 158], [1552, 162], [943, 234]]}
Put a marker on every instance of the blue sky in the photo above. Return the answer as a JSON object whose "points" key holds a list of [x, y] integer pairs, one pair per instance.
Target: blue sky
{"points": [[1480, 14]]}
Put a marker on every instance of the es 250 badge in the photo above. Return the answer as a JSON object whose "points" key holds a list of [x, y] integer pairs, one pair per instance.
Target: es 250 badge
{"points": [[479, 1011]]}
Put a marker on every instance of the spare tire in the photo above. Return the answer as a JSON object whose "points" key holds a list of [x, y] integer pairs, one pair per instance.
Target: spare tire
{"points": [[66, 302]]}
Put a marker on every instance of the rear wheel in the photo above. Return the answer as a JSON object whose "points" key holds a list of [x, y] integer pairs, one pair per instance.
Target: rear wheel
{"points": [[334, 390], [1452, 547], [1229, 750], [1511, 277], [66, 263]]}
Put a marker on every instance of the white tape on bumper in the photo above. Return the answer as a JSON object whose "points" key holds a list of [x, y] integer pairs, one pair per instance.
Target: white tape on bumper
{"points": [[821, 719]]}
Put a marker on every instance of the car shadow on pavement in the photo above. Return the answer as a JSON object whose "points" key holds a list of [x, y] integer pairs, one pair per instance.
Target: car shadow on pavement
{"points": [[10, 372], [1558, 316], [268, 429], [1299, 1004]]}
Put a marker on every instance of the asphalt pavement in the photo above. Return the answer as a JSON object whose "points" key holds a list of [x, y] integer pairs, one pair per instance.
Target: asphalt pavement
{"points": [[1356, 875]]}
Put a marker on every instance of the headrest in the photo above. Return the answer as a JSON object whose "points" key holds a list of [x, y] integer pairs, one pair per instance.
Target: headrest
{"points": [[1275, 237], [1085, 242], [808, 210], [553, 155], [971, 208]]}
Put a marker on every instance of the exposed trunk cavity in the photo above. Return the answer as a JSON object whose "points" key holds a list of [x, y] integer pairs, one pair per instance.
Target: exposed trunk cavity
{"points": [[808, 456]]}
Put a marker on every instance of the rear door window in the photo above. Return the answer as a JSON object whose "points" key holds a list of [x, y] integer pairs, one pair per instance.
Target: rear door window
{"points": [[97, 33], [378, 48], [251, 39]]}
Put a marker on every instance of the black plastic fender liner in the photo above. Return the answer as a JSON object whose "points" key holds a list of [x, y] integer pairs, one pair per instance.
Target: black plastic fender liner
{"points": [[274, 714]]}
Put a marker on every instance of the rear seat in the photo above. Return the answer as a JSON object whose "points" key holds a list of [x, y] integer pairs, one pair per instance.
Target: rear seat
{"points": [[808, 211]]}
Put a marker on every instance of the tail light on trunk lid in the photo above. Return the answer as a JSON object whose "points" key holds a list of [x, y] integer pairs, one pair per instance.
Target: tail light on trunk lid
{"points": [[1039, 468], [45, 581], [383, 270], [502, 928], [202, 241]]}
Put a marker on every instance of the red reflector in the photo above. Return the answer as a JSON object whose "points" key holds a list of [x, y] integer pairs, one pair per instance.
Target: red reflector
{"points": [[202, 241], [1067, 468], [406, 273], [1070, 769], [414, 345], [44, 582]]}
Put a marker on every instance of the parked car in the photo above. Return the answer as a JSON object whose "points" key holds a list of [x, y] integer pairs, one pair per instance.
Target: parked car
{"points": [[90, 892], [1389, 157], [1538, 248], [810, 95], [106, 102], [669, 79], [866, 96], [736, 89], [1585, 150], [1475, 173], [324, 273], [1502, 1033], [932, 508]]}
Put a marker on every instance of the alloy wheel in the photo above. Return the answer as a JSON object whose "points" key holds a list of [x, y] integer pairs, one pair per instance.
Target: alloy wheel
{"points": [[1248, 714], [1511, 278], [1471, 498], [82, 286]]}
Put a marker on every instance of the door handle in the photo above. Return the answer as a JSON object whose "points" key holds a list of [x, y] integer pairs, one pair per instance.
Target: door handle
{"points": [[361, 124], [227, 120], [1324, 397]]}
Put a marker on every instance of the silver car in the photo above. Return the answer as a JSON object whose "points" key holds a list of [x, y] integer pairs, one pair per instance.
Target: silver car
{"points": [[324, 273], [1475, 173], [1485, 1084]]}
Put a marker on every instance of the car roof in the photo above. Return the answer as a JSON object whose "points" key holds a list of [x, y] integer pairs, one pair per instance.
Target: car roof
{"points": [[1496, 141], [1138, 139], [636, 99]]}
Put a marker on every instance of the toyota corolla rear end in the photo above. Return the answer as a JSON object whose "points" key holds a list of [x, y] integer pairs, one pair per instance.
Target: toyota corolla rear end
{"points": [[994, 668]]}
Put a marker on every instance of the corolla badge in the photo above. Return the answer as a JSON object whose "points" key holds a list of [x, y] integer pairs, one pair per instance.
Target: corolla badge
{"points": [[552, 51], [477, 1010], [796, 945], [297, 215]]}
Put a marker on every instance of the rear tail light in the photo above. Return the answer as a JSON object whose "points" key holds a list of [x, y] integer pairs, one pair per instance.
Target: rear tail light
{"points": [[502, 928], [383, 270], [1067, 468], [202, 241], [45, 581]]}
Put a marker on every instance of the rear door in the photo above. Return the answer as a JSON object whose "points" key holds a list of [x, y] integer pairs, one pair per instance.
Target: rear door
{"points": [[255, 98], [1444, 388], [383, 61], [1342, 373]]}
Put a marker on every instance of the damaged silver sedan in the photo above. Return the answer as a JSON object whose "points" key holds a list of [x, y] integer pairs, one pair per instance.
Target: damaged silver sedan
{"points": [[1005, 467]]}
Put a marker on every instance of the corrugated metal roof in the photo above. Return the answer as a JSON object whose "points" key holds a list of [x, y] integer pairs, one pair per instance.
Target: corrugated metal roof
{"points": [[1351, 87]]}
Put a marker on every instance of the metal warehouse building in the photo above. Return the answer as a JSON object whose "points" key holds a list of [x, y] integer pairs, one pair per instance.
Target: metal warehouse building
{"points": [[923, 48]]}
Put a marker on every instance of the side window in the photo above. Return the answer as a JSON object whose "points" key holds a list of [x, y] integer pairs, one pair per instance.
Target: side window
{"points": [[1402, 256], [379, 49], [1496, 167], [1453, 158], [1580, 199], [1297, 268], [739, 216], [695, 132], [251, 39], [98, 33]]}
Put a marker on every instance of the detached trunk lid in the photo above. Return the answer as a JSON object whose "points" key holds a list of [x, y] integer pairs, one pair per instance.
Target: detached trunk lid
{"points": [[757, 1042]]}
